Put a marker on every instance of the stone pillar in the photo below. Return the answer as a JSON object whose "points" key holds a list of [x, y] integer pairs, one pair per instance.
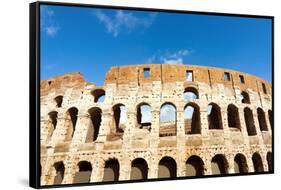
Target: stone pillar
{"points": [[60, 133], [153, 167], [226, 131], [44, 131], [268, 122], [71, 168], [204, 125], [256, 121], [81, 130], [230, 161], [207, 164], [130, 125], [106, 125], [125, 168], [155, 125], [250, 163]]}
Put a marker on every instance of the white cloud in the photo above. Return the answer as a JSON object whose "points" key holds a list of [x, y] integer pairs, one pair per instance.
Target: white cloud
{"points": [[51, 30], [48, 23], [123, 21], [168, 57]]}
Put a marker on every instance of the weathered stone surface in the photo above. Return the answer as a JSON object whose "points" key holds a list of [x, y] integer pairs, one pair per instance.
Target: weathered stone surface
{"points": [[82, 129]]}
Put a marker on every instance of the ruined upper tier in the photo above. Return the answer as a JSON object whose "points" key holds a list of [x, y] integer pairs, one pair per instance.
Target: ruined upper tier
{"points": [[165, 73]]}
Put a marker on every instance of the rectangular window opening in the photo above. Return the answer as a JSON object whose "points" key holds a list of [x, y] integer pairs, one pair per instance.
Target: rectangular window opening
{"points": [[226, 76], [146, 72], [242, 80], [189, 76]]}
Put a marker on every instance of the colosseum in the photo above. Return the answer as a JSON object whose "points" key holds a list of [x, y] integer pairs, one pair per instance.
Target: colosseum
{"points": [[154, 121]]}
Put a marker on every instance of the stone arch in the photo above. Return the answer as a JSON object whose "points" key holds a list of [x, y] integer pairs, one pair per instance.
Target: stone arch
{"points": [[269, 161], [219, 164], [249, 121], [144, 115], [240, 163], [270, 118], [192, 120], [111, 170], [167, 168], [233, 117], [262, 120], [53, 118], [257, 162], [245, 98], [58, 100], [139, 169], [214, 116], [194, 166], [120, 117], [96, 117], [60, 169], [168, 119], [83, 175], [99, 95], [71, 116], [190, 93]]}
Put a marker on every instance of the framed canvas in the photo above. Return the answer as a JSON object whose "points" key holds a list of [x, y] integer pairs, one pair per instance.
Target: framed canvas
{"points": [[122, 94]]}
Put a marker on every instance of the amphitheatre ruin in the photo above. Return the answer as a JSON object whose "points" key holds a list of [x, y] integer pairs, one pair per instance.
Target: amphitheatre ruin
{"points": [[154, 121]]}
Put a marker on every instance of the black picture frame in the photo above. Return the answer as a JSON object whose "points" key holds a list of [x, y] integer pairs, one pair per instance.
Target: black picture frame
{"points": [[34, 89]]}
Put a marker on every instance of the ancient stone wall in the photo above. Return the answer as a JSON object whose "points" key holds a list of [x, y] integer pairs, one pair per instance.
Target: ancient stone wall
{"points": [[93, 134]]}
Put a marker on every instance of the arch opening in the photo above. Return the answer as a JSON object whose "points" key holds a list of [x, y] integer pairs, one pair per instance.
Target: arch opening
{"points": [[190, 94], [59, 168], [139, 169], [84, 173], [58, 100], [245, 98], [262, 120], [192, 120], [167, 120], [194, 166], [120, 117], [144, 115], [249, 121], [111, 170], [233, 117], [240, 164], [257, 162], [214, 116], [167, 168], [99, 95], [219, 165], [95, 116]]}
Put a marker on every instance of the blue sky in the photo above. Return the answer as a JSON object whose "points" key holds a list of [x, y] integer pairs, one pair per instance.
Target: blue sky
{"points": [[92, 40]]}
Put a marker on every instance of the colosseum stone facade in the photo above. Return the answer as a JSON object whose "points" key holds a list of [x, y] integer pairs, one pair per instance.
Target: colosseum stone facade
{"points": [[220, 122]]}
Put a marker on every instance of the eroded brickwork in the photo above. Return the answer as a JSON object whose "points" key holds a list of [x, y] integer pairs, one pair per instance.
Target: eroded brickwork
{"points": [[83, 138]]}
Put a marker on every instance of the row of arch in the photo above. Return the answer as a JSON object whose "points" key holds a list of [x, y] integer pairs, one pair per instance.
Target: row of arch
{"points": [[190, 93], [167, 168], [168, 119]]}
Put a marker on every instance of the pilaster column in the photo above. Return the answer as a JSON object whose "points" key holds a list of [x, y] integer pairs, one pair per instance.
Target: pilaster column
{"points": [[230, 161], [226, 131], [130, 125], [44, 131], [125, 168], [204, 126], [60, 133], [106, 126], [82, 128], [155, 127], [256, 121]]}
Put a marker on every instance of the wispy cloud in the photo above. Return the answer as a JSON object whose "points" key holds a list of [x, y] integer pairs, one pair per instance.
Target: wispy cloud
{"points": [[122, 21], [49, 25], [169, 57]]}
